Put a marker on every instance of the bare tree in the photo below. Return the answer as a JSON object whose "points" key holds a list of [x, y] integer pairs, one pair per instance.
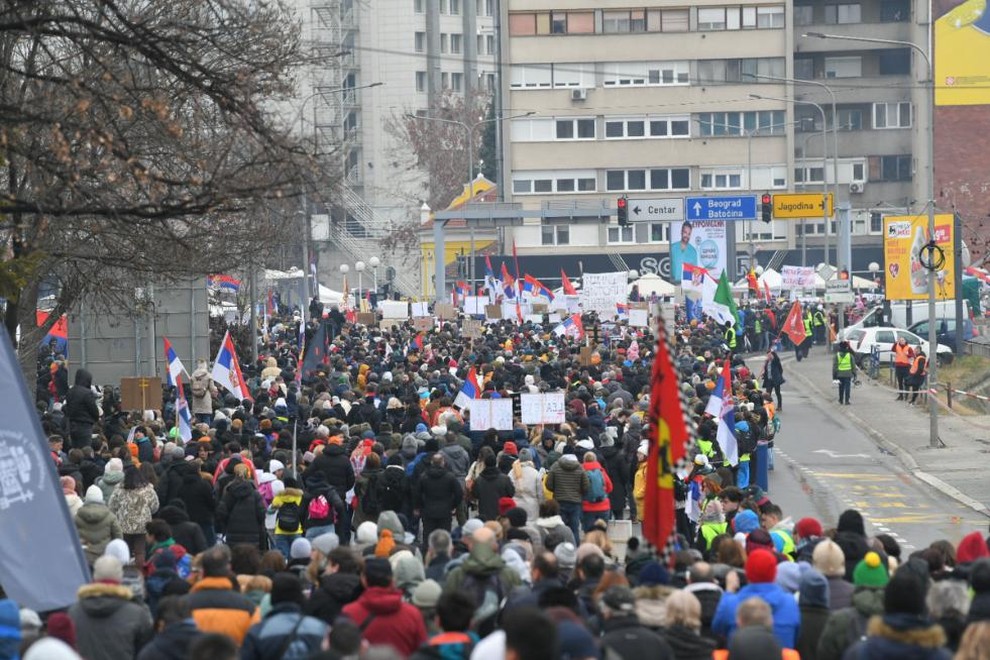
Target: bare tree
{"points": [[137, 144]]}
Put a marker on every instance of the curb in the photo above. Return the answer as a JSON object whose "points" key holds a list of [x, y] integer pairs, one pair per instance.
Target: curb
{"points": [[905, 457]]}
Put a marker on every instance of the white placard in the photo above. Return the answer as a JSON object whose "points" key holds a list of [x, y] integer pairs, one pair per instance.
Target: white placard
{"points": [[547, 408], [475, 305], [509, 310], [491, 414], [420, 309], [639, 318], [796, 277], [601, 291], [534, 318], [394, 309], [554, 317]]}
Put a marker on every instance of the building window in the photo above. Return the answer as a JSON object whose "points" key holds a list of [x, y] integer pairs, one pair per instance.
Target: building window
{"points": [[455, 43], [420, 42], [639, 74], [894, 62], [484, 7], [621, 234], [749, 70], [421, 81], [762, 122], [455, 7], [651, 127], [443, 6], [804, 68], [890, 168], [876, 222], [555, 235], [652, 179], [769, 17], [844, 67], [809, 175], [895, 11], [531, 76], [419, 6], [850, 120], [489, 44], [563, 182], [559, 22], [659, 232], [444, 80], [858, 172], [721, 180], [623, 21], [532, 130], [842, 14], [575, 129], [457, 82], [804, 14], [667, 20], [739, 18], [892, 115], [574, 74], [444, 43]]}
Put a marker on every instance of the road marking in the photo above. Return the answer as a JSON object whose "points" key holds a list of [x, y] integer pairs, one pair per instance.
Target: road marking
{"points": [[855, 475], [832, 454]]}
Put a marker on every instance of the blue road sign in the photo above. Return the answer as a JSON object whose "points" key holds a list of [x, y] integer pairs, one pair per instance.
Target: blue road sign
{"points": [[739, 207]]}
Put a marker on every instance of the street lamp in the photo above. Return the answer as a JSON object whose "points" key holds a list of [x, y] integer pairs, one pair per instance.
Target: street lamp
{"points": [[821, 110], [933, 440], [359, 267], [874, 268], [375, 262]]}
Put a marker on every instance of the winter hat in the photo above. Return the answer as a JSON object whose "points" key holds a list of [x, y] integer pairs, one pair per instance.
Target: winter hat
{"points": [[390, 520], [653, 573], [68, 485], [113, 465], [61, 626], [713, 513], [274, 466], [814, 589], [575, 641], [426, 594], [620, 599], [871, 571], [470, 526], [759, 538], [108, 569], [30, 621], [588, 549], [10, 620], [118, 548], [94, 495], [50, 648], [377, 569], [807, 527], [851, 520], [789, 575], [510, 448], [408, 570], [517, 516], [505, 504], [979, 576], [904, 594], [566, 555], [301, 549], [971, 548], [829, 559], [367, 533], [325, 543], [525, 454], [761, 566], [746, 521]]}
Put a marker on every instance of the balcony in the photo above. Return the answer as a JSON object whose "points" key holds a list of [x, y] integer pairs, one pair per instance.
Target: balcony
{"points": [[895, 31]]}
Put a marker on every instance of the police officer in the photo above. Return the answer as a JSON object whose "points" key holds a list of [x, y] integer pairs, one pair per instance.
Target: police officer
{"points": [[729, 336], [843, 370], [819, 322]]}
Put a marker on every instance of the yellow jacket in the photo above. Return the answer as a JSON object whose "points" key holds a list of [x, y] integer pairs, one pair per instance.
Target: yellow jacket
{"points": [[639, 487]]}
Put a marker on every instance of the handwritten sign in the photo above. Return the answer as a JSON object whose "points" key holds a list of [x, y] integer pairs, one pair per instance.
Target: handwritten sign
{"points": [[394, 309], [446, 311], [423, 324], [601, 291], [491, 414], [472, 328], [796, 277], [493, 311], [547, 408], [475, 305], [367, 318], [639, 318], [140, 393]]}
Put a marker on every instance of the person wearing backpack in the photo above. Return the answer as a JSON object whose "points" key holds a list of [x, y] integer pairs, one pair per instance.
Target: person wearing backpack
{"points": [[287, 507], [394, 492], [368, 504], [595, 504], [321, 506]]}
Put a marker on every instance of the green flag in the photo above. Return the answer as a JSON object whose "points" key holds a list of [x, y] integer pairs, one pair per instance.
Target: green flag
{"points": [[723, 306]]}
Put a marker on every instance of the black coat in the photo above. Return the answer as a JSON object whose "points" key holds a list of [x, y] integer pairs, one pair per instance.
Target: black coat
{"points": [[80, 402], [170, 482], [241, 514], [615, 463], [336, 466], [687, 644], [198, 496], [438, 492], [172, 643], [185, 532], [491, 486], [628, 639], [335, 591]]}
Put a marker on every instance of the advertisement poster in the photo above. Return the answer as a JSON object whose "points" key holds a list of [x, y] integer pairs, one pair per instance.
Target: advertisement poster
{"points": [[700, 243], [962, 50], [903, 239]]}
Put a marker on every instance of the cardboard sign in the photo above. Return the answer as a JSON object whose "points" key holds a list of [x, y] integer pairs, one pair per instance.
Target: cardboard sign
{"points": [[491, 414], [367, 318], [387, 323], [423, 323], [446, 311], [547, 408], [472, 328], [140, 393], [475, 305], [639, 318], [493, 311], [584, 357], [540, 308], [534, 318]]}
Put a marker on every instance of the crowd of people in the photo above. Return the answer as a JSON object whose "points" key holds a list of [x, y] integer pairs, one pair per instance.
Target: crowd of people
{"points": [[351, 511]]}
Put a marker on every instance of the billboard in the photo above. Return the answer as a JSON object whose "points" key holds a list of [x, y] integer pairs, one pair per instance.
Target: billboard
{"points": [[903, 239], [700, 243], [962, 50]]}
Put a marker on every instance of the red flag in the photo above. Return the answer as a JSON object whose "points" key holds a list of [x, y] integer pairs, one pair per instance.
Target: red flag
{"points": [[569, 289], [754, 284], [668, 435], [766, 289], [794, 324]]}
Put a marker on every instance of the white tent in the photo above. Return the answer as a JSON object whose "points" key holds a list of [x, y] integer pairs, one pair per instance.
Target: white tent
{"points": [[650, 284]]}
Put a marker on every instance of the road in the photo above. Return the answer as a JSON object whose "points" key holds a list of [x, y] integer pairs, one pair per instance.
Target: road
{"points": [[824, 464]]}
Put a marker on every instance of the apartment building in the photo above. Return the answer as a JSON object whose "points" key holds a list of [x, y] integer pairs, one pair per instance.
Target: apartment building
{"points": [[655, 101]]}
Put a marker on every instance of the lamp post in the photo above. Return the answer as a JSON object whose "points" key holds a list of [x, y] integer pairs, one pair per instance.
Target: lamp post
{"points": [[933, 439], [874, 268], [375, 262], [344, 269], [359, 267]]}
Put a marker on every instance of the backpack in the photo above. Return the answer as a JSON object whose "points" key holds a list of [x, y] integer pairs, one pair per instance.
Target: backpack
{"points": [[390, 491], [746, 441], [287, 519], [265, 490], [318, 509], [370, 502], [596, 486], [488, 595]]}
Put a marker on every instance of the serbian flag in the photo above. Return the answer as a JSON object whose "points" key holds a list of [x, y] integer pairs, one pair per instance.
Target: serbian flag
{"points": [[470, 391], [224, 282], [174, 365], [462, 288], [508, 284], [227, 370], [622, 310], [754, 284], [569, 289], [720, 407], [668, 436], [515, 257], [417, 341], [571, 326], [536, 287], [794, 325], [173, 374]]}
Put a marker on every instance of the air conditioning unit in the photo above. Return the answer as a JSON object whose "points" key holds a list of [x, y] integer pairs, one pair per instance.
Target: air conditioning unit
{"points": [[580, 94], [857, 187]]}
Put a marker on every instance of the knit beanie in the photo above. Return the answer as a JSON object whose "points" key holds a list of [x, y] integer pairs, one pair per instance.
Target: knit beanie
{"points": [[904, 594], [94, 495], [829, 559], [300, 549], [870, 572], [761, 566], [746, 521], [971, 548], [61, 626], [807, 528]]}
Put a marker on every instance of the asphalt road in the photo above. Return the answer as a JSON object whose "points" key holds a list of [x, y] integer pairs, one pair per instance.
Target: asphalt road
{"points": [[824, 464]]}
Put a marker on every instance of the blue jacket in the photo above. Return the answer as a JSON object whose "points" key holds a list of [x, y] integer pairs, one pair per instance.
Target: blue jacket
{"points": [[264, 640], [786, 615]]}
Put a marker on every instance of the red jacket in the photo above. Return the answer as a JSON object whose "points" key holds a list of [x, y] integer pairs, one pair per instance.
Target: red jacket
{"points": [[398, 624], [605, 504]]}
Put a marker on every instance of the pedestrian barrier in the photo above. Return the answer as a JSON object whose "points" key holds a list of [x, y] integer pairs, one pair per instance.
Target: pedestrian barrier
{"points": [[951, 392]]}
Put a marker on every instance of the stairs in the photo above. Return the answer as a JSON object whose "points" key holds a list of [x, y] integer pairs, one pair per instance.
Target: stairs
{"points": [[618, 261]]}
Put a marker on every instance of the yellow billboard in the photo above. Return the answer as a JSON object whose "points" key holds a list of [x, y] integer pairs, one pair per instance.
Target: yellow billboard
{"points": [[904, 237], [962, 51]]}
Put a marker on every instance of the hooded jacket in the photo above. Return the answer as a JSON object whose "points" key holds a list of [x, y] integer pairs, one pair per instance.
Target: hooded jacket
{"points": [[687, 644], [813, 603], [437, 493], [850, 535], [605, 504], [134, 508], [458, 459], [490, 486], [529, 488], [335, 591], [199, 498], [109, 482], [901, 637], [617, 466], [567, 480], [481, 564], [80, 403], [172, 643], [848, 625], [336, 465], [241, 514], [217, 608], [786, 616], [624, 636], [396, 624], [267, 639], [96, 527], [185, 532], [109, 625], [201, 390]]}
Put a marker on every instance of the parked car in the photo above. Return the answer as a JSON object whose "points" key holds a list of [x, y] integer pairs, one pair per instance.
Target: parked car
{"points": [[862, 341], [945, 330]]}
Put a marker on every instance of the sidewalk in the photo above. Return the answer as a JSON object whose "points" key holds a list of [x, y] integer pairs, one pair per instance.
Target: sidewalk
{"points": [[902, 430]]}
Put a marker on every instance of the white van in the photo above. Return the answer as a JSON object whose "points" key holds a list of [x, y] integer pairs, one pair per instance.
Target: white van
{"points": [[874, 318]]}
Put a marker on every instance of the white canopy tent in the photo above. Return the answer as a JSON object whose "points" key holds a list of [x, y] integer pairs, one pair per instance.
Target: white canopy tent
{"points": [[650, 284]]}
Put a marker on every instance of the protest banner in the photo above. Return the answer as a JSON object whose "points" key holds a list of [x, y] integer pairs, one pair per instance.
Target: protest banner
{"points": [[601, 291], [421, 309], [797, 277], [491, 414], [394, 309], [472, 328], [423, 324], [545, 408]]}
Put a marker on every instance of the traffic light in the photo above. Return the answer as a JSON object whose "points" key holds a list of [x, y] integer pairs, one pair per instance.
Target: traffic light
{"points": [[766, 208], [622, 211]]}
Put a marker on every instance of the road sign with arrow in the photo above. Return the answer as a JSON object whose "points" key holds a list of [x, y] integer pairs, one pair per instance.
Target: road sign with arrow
{"points": [[801, 205], [735, 207], [656, 210]]}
